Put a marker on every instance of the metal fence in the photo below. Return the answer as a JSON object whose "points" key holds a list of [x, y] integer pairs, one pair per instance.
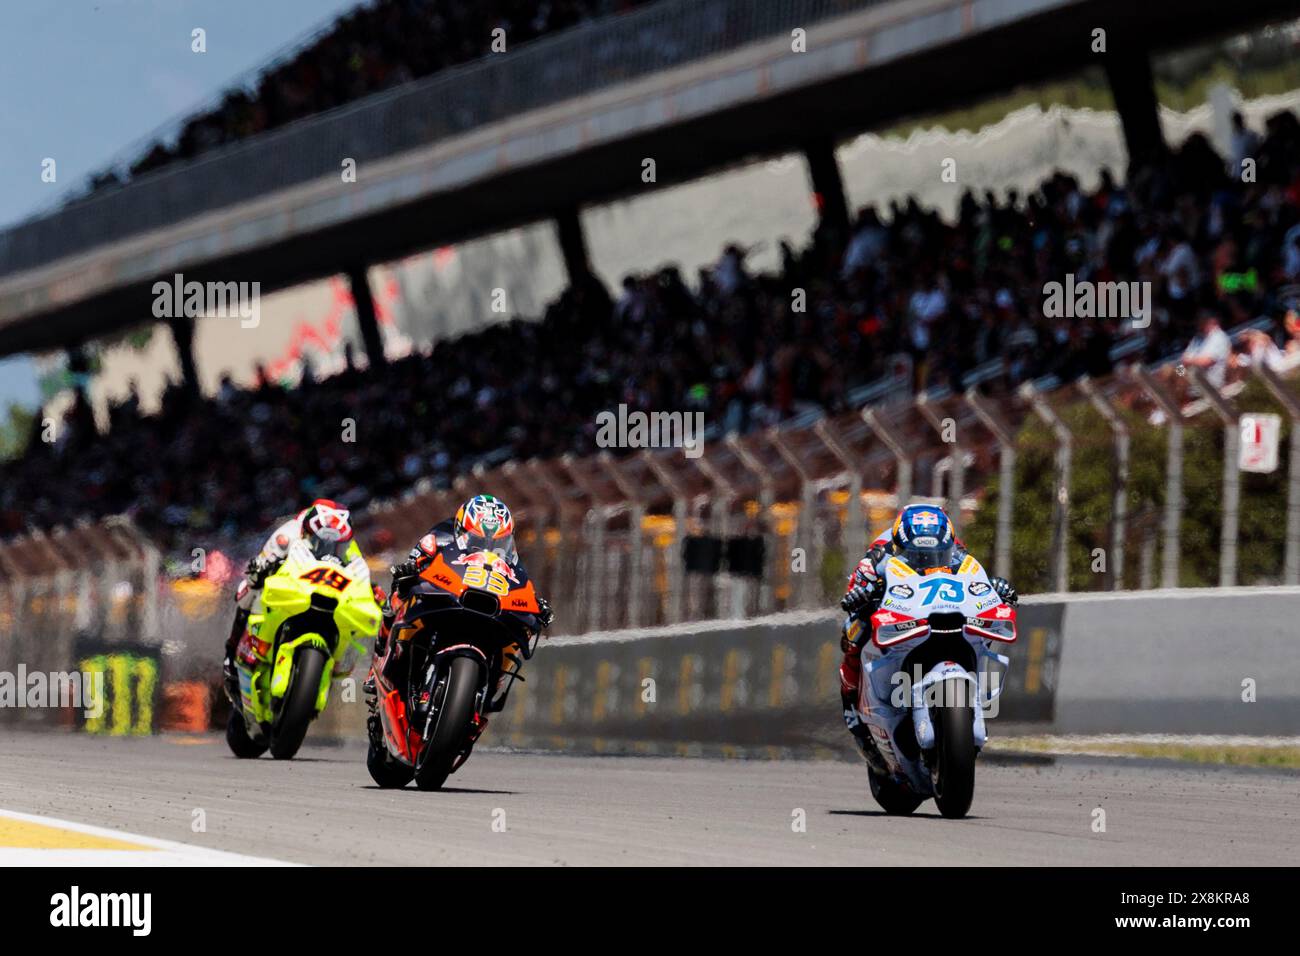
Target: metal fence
{"points": [[74, 596], [1128, 482], [549, 70], [1125, 483]]}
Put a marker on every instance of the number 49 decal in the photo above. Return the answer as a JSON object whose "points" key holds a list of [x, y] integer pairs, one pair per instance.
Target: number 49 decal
{"points": [[941, 589], [329, 578]]}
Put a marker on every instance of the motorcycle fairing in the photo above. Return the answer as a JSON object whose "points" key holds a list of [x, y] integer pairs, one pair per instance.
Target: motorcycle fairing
{"points": [[341, 595], [922, 719], [519, 597]]}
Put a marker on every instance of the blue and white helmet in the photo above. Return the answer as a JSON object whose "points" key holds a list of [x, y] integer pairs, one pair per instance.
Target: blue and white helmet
{"points": [[924, 537]]}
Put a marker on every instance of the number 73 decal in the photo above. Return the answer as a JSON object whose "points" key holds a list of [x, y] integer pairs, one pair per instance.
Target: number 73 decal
{"points": [[941, 589]]}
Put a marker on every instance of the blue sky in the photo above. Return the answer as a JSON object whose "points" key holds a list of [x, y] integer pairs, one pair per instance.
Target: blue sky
{"points": [[82, 79]]}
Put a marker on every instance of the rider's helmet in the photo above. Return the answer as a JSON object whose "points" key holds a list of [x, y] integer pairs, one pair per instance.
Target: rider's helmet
{"points": [[327, 528], [484, 523], [923, 537]]}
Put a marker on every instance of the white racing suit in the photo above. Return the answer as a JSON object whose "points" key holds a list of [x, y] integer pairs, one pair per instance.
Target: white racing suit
{"points": [[273, 553]]}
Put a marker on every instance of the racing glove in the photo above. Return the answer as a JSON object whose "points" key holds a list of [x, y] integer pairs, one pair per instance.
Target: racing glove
{"points": [[544, 613], [258, 569], [404, 576], [862, 596], [1005, 591]]}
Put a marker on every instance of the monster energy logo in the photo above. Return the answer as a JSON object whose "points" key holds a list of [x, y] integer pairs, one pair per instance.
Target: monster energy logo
{"points": [[130, 683]]}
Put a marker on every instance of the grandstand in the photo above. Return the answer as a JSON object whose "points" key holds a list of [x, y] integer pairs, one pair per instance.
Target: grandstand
{"points": [[899, 301]]}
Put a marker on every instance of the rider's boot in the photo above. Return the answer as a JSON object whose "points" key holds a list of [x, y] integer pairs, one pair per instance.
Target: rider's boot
{"points": [[475, 732], [860, 731], [374, 726], [228, 671], [852, 718]]}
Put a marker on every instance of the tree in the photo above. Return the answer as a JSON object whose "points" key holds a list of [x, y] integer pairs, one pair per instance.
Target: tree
{"points": [[1262, 515]]}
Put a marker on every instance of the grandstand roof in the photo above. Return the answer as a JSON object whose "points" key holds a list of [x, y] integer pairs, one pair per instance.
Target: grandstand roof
{"points": [[480, 149]]}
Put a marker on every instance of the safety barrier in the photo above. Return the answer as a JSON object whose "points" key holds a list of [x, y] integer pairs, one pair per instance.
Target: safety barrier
{"points": [[1203, 661], [766, 687], [1195, 660]]}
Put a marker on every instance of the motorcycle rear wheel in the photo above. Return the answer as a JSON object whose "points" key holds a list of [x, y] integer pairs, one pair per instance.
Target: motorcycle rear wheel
{"points": [[954, 768], [464, 678], [384, 770], [242, 745], [893, 797]]}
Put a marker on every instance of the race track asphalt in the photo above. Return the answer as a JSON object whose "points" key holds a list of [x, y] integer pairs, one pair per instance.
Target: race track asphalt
{"points": [[523, 808]]}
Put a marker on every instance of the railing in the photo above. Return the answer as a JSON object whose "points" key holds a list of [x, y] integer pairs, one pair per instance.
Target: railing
{"points": [[546, 71], [772, 521], [1130, 482], [80, 599]]}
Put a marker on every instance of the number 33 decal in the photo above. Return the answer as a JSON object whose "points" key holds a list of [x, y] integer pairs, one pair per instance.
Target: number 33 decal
{"points": [[477, 576]]}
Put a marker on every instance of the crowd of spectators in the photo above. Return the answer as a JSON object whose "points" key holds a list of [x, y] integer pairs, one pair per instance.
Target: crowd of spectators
{"points": [[379, 45], [746, 348]]}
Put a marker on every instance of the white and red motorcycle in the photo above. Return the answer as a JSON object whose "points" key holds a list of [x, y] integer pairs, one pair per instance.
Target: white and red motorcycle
{"points": [[929, 675]]}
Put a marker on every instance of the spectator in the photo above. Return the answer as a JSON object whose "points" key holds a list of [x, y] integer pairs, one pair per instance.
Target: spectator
{"points": [[952, 295], [1244, 145], [1259, 350], [1210, 349], [376, 46]]}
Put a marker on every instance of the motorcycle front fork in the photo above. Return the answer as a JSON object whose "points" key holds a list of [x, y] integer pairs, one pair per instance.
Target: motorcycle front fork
{"points": [[511, 665]]}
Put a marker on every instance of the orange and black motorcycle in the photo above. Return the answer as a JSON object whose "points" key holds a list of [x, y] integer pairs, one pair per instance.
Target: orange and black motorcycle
{"points": [[457, 643]]}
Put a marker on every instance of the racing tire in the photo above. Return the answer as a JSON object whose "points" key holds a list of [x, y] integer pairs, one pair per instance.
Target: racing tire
{"points": [[894, 798], [388, 773], [464, 678], [242, 745], [953, 773], [299, 705]]}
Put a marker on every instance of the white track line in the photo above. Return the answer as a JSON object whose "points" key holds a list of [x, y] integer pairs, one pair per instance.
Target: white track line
{"points": [[1181, 740], [145, 851]]}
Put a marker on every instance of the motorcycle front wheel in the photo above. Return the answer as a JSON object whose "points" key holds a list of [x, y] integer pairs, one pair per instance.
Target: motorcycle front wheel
{"points": [[953, 771], [464, 678], [299, 704]]}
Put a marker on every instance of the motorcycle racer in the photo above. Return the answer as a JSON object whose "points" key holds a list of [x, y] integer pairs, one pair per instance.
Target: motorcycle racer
{"points": [[923, 537], [327, 528], [482, 531]]}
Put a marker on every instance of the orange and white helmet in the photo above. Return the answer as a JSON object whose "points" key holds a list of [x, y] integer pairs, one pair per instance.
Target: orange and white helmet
{"points": [[484, 523]]}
